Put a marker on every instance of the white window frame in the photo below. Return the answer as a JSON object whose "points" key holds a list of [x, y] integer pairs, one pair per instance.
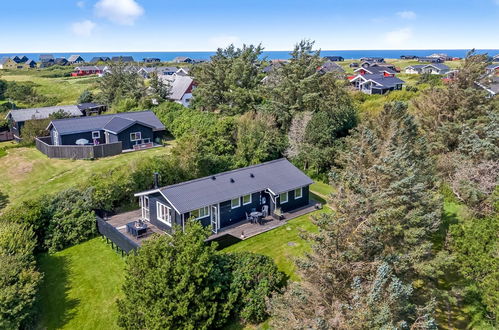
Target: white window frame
{"points": [[206, 212], [281, 201], [238, 204], [96, 137], [250, 199], [160, 213], [301, 193], [140, 136]]}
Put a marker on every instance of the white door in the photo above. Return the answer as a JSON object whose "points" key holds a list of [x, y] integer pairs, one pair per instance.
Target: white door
{"points": [[214, 218], [144, 201]]}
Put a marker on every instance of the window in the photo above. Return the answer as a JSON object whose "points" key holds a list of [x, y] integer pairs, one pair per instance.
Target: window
{"points": [[236, 202], [136, 136], [247, 199], [164, 213], [95, 134], [283, 198], [298, 193], [201, 213]]}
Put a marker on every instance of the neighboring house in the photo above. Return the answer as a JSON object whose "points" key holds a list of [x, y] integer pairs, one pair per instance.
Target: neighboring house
{"points": [[100, 59], [435, 68], [415, 69], [146, 72], [430, 59], [354, 65], [61, 61], [334, 58], [183, 72], [442, 56], [181, 89], [376, 83], [225, 199], [495, 58], [76, 59], [490, 85], [7, 63], [375, 69], [17, 118], [151, 60], [372, 59], [408, 57], [135, 130], [329, 66], [492, 69], [122, 59], [87, 70], [183, 59], [30, 64], [16, 59]]}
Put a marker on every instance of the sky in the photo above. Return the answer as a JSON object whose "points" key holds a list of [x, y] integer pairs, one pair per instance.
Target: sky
{"points": [[166, 25]]}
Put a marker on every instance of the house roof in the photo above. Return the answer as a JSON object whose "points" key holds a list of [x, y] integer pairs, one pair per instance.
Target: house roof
{"points": [[492, 66], [21, 115], [278, 176], [439, 66], [46, 57], [181, 59], [417, 66], [99, 58], [179, 87], [380, 80], [331, 67], [30, 61], [74, 58], [376, 69], [87, 68], [94, 123], [122, 59], [4, 60]]}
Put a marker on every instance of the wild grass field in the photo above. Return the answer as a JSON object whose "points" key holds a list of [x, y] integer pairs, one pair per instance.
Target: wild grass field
{"points": [[27, 173]]}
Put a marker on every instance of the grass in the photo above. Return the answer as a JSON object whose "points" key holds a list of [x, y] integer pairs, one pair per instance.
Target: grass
{"points": [[80, 287], [321, 188], [282, 244], [27, 168], [65, 90]]}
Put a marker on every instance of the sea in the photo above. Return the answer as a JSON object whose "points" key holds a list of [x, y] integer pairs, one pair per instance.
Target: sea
{"points": [[271, 55]]}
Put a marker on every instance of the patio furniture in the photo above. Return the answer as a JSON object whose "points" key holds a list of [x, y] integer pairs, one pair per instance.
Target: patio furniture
{"points": [[136, 228], [256, 215]]}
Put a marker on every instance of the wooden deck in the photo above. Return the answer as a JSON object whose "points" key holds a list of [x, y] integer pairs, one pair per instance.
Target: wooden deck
{"points": [[226, 236], [244, 229], [120, 220]]}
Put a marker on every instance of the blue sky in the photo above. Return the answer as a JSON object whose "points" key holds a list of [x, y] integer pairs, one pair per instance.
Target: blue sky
{"points": [[166, 25]]}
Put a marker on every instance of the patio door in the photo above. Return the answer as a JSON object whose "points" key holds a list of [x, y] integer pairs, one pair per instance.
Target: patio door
{"points": [[144, 201], [214, 219]]}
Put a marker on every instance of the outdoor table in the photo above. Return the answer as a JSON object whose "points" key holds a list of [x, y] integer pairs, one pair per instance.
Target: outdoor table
{"points": [[136, 230], [256, 215]]}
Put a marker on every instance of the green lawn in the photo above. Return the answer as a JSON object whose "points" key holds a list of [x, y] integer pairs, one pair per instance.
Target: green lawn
{"points": [[282, 244], [28, 173], [321, 188], [66, 90], [80, 287]]}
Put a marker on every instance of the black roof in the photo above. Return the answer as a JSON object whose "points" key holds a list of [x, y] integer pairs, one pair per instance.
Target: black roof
{"points": [[99, 59], [276, 176], [122, 59], [94, 123]]}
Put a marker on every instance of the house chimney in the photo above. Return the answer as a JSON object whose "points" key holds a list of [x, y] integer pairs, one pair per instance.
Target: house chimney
{"points": [[156, 180]]}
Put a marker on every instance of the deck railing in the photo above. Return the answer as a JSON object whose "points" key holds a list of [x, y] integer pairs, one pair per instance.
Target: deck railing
{"points": [[43, 144], [113, 234]]}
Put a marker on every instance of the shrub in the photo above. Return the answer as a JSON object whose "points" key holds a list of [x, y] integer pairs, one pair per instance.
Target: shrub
{"points": [[86, 97], [19, 279]]}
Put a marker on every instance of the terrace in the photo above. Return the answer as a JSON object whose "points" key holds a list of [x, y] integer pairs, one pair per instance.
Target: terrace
{"points": [[114, 228]]}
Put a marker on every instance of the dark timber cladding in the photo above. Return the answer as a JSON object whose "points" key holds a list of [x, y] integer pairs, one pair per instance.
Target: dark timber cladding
{"points": [[77, 151], [223, 199]]}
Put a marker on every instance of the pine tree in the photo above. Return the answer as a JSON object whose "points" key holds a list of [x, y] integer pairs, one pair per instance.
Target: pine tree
{"points": [[376, 244]]}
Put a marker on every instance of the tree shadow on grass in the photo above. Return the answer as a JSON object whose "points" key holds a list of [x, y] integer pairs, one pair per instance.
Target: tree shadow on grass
{"points": [[55, 308], [4, 200]]}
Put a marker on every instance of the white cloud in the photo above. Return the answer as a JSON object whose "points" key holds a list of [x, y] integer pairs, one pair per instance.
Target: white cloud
{"points": [[224, 41], [123, 12], [407, 14], [398, 37], [80, 4], [83, 28]]}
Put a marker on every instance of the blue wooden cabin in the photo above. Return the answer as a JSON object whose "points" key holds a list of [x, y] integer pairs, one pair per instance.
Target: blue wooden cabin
{"points": [[131, 128], [223, 199]]}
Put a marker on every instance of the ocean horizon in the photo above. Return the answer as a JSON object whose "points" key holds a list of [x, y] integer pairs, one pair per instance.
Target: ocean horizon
{"points": [[205, 55]]}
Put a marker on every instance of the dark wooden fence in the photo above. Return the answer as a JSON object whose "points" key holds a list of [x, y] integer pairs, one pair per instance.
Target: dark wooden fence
{"points": [[6, 136], [113, 234], [77, 152]]}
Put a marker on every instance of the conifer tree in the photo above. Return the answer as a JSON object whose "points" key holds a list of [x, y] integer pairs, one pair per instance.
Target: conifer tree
{"points": [[369, 253]]}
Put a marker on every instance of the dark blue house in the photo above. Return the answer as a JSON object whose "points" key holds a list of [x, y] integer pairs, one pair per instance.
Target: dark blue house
{"points": [[225, 199], [133, 129]]}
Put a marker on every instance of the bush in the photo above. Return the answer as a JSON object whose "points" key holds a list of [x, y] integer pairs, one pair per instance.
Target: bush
{"points": [[254, 279], [19, 279], [86, 97]]}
